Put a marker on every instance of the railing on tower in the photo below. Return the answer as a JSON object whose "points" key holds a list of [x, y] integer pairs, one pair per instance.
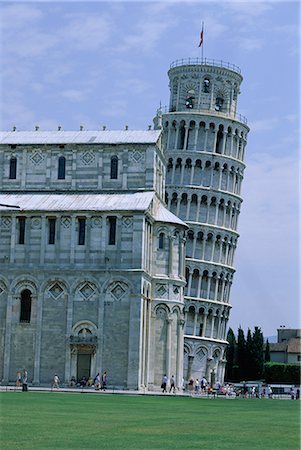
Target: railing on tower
{"points": [[205, 62], [224, 114]]}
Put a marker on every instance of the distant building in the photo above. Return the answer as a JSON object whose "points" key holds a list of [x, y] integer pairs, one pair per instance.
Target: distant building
{"points": [[287, 349]]}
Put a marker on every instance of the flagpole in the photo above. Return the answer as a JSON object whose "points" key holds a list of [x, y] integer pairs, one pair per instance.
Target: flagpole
{"points": [[203, 41]]}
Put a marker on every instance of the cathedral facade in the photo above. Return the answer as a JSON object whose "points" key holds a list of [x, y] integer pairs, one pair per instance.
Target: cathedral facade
{"points": [[116, 247]]}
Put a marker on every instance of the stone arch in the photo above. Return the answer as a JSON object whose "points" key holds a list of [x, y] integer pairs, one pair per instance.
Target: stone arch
{"points": [[84, 324], [24, 282]]}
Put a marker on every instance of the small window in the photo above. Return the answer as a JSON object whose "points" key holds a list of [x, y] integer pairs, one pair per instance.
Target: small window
{"points": [[25, 306], [112, 230], [21, 221], [114, 168], [51, 231], [201, 330], [161, 241], [62, 168], [219, 104], [206, 85], [13, 168], [81, 231]]}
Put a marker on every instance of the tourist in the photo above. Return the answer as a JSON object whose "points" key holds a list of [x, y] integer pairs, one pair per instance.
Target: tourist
{"points": [[164, 384], [18, 380], [203, 384], [24, 380], [298, 394], [104, 381], [172, 384], [83, 382], [97, 381], [72, 381], [56, 382], [197, 386], [270, 392], [90, 382], [292, 392]]}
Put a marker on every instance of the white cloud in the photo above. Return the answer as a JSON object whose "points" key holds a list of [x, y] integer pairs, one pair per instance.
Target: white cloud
{"points": [[14, 16], [86, 32], [250, 43], [75, 95], [246, 9]]}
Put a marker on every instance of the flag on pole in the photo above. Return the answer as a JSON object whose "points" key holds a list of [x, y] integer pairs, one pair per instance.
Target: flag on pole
{"points": [[201, 37]]}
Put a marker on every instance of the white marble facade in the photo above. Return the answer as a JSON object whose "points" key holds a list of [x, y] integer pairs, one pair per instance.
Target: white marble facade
{"points": [[94, 230]]}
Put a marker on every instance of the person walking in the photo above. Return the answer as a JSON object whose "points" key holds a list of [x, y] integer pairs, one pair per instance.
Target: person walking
{"points": [[56, 382], [197, 386], [97, 381], [164, 383], [104, 381], [172, 384], [18, 380], [24, 381]]}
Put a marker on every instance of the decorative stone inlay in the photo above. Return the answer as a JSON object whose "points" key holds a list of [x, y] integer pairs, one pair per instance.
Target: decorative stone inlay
{"points": [[96, 222], [1, 289], [66, 221], [56, 291], [118, 291], [176, 290], [88, 158], [201, 354], [161, 290], [137, 156], [127, 222], [86, 291], [36, 223], [36, 158], [5, 222]]}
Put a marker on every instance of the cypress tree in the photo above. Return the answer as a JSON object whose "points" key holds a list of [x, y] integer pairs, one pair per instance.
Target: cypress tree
{"points": [[267, 356], [249, 356], [257, 353], [241, 354], [230, 355]]}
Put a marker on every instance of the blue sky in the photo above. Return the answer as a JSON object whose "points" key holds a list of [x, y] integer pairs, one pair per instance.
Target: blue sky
{"points": [[94, 63]]}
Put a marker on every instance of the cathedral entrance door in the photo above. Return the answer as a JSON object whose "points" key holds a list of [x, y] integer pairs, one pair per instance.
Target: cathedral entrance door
{"points": [[83, 365]]}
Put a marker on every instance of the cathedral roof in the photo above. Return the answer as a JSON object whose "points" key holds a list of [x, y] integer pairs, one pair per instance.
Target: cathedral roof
{"points": [[137, 201], [80, 137]]}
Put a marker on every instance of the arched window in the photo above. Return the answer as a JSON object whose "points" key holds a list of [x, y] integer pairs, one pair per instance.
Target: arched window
{"points": [[25, 309], [206, 85], [114, 168], [219, 104], [61, 168], [161, 241], [13, 168]]}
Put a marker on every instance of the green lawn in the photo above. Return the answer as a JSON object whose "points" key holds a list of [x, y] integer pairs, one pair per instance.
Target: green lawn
{"points": [[36, 420]]}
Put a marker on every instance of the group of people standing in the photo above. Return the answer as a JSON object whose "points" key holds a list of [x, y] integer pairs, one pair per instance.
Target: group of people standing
{"points": [[193, 385]]}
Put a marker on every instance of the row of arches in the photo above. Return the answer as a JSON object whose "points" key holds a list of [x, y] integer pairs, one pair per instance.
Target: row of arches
{"points": [[213, 285], [204, 209], [197, 172], [202, 136], [208, 322], [211, 246]]}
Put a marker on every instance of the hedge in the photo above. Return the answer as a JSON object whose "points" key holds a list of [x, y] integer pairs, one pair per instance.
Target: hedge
{"points": [[282, 373]]}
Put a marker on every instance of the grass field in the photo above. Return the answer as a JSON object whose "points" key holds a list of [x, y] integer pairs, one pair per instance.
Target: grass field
{"points": [[51, 420]]}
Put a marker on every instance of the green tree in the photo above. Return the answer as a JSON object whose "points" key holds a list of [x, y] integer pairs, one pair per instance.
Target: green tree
{"points": [[230, 355], [241, 353], [249, 356], [257, 353], [267, 356]]}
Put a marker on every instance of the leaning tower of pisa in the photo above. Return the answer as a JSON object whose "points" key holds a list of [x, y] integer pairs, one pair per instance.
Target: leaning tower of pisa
{"points": [[204, 140]]}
